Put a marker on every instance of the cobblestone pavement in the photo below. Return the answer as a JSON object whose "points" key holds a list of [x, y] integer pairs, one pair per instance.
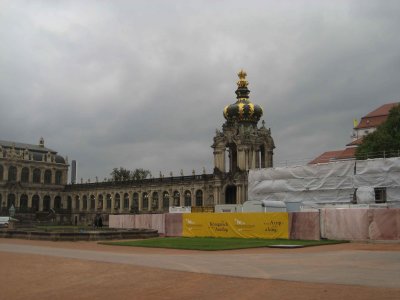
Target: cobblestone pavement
{"points": [[86, 270]]}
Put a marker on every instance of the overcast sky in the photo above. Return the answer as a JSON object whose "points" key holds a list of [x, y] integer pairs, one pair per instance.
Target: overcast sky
{"points": [[142, 84]]}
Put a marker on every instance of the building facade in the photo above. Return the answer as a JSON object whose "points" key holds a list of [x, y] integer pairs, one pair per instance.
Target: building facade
{"points": [[241, 145], [32, 177]]}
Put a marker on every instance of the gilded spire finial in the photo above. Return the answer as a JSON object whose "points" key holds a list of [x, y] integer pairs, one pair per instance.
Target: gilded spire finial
{"points": [[242, 79]]}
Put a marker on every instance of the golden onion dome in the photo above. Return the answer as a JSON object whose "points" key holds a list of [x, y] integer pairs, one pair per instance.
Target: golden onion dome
{"points": [[243, 110]]}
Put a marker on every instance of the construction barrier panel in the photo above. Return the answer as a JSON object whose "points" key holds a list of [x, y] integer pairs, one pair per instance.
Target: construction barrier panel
{"points": [[304, 226], [173, 224], [238, 225]]}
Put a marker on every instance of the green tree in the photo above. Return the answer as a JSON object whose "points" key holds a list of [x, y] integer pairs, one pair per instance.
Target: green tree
{"points": [[139, 174], [385, 140], [122, 174]]}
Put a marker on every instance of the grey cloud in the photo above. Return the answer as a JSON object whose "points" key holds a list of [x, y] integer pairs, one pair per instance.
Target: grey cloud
{"points": [[143, 84]]}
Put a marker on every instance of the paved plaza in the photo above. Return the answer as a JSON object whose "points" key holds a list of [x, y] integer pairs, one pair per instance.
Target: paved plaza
{"points": [[355, 270]]}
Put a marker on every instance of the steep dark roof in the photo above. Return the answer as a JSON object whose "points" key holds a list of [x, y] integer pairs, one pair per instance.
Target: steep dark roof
{"points": [[22, 146]]}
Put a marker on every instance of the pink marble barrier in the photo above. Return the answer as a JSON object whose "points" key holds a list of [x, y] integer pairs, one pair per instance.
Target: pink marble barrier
{"points": [[121, 221], [173, 224], [158, 222], [114, 221], [384, 224], [128, 221], [143, 221], [344, 224], [304, 225]]}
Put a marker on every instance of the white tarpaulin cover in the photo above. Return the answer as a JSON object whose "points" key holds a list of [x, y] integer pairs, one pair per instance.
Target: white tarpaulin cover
{"points": [[325, 183]]}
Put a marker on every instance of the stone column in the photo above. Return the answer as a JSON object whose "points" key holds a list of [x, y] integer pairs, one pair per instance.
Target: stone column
{"points": [[160, 200], [5, 172], [149, 200], [181, 198], [53, 176], [140, 194], [112, 202], [130, 194], [257, 163], [42, 175], [64, 178], [29, 200], [241, 159], [171, 198], [193, 194], [31, 174], [41, 202], [19, 169], [219, 158]]}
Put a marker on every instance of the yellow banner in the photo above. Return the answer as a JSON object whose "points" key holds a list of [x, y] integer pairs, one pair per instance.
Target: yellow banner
{"points": [[242, 225]]}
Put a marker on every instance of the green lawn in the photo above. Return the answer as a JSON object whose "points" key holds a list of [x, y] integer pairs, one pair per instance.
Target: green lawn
{"points": [[210, 244]]}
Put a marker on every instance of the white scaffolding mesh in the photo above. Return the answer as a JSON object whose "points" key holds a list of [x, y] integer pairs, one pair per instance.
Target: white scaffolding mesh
{"points": [[325, 183]]}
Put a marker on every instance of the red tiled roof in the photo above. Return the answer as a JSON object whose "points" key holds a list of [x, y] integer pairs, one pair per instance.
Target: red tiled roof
{"points": [[373, 119], [376, 117], [347, 153], [325, 157], [382, 110], [356, 142], [330, 156]]}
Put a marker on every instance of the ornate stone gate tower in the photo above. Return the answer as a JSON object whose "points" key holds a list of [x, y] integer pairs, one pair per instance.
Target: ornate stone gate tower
{"points": [[241, 146]]}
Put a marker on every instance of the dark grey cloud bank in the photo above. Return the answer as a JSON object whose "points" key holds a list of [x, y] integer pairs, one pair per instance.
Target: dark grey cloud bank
{"points": [[144, 83]]}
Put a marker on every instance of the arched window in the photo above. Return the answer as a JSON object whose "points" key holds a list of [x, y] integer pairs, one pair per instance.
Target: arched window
{"points": [[135, 202], [58, 177], [177, 199], [108, 200], [46, 203], [188, 198], [23, 202], [84, 202], [145, 201], [77, 203], [230, 194], [100, 202], [12, 173], [199, 198], [57, 202], [126, 200], [25, 175], [35, 202], [47, 177], [165, 201], [1, 172], [69, 203], [117, 201], [37, 174], [92, 202], [154, 201], [10, 200]]}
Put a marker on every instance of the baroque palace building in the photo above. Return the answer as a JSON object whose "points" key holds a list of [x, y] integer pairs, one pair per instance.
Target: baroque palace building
{"points": [[33, 178]]}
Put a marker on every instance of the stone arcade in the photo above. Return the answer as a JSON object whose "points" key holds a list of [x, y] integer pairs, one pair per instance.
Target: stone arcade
{"points": [[34, 178]]}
